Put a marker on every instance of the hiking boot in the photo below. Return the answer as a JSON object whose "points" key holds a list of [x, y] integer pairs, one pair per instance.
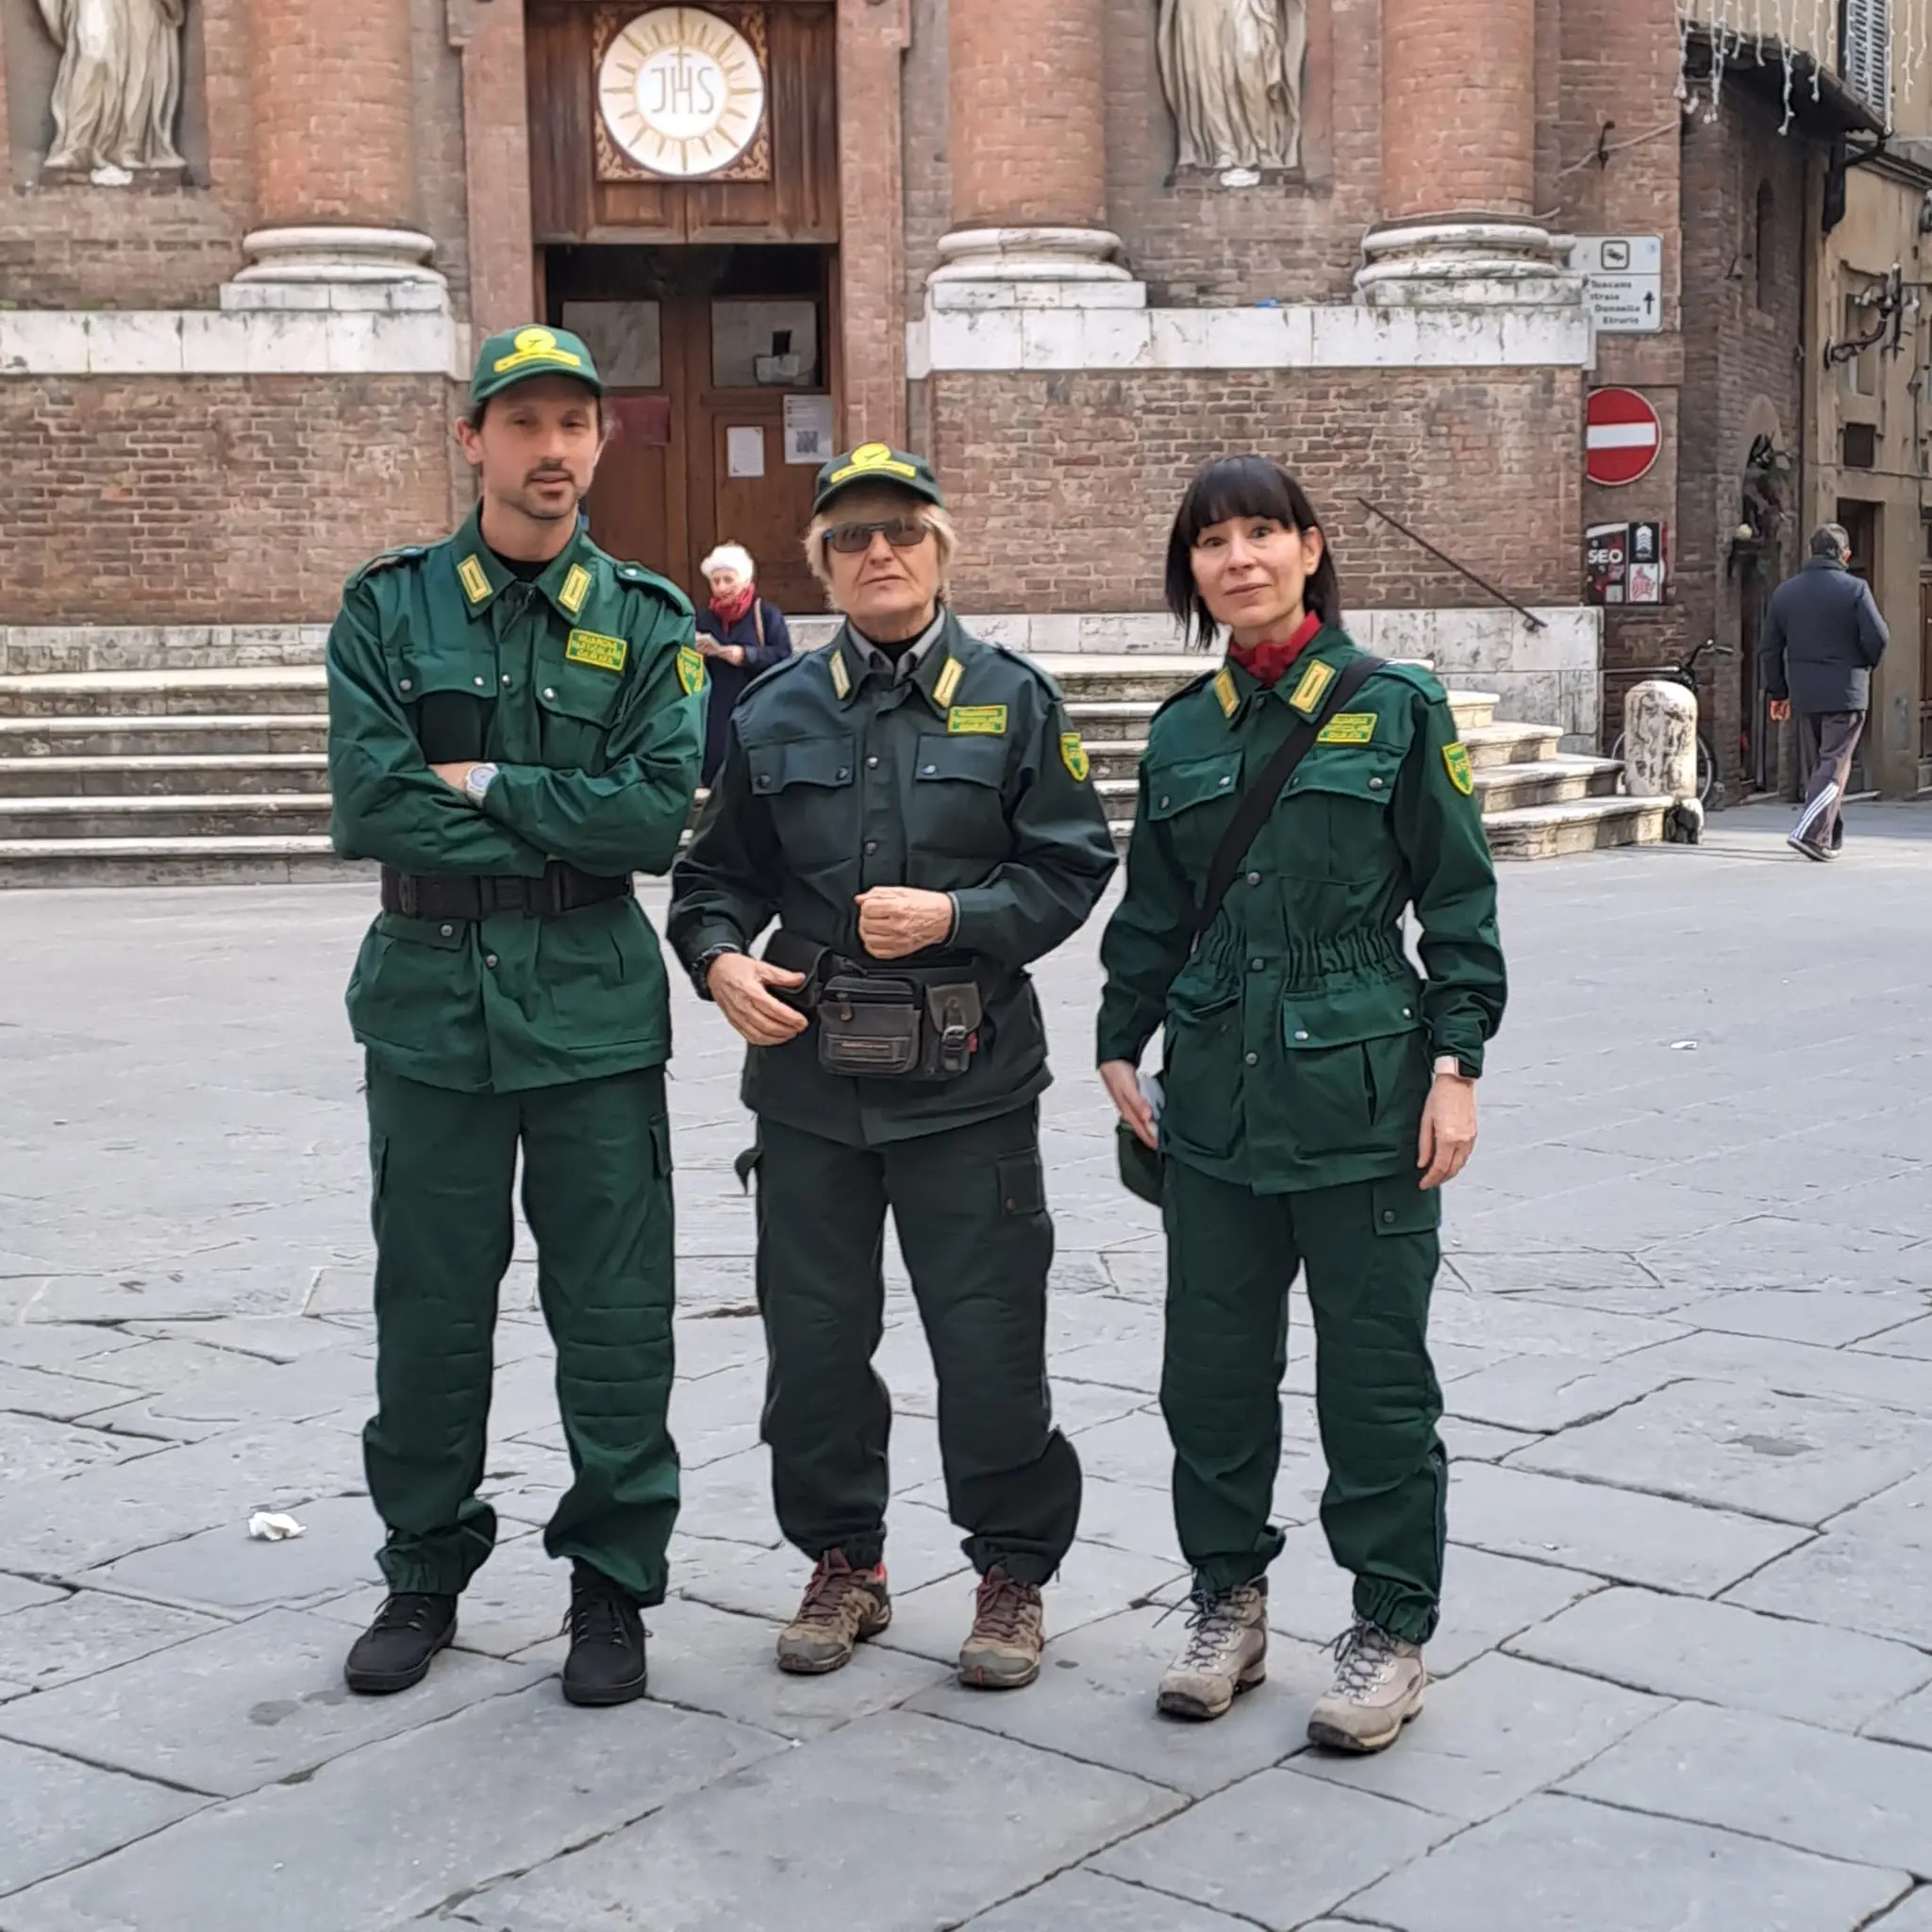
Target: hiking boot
{"points": [[841, 1608], [1226, 1653], [398, 1648], [1379, 1687], [1002, 1650], [606, 1664]]}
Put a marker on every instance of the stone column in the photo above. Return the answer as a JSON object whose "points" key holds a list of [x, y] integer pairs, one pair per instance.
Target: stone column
{"points": [[1458, 158], [1028, 145], [333, 106]]}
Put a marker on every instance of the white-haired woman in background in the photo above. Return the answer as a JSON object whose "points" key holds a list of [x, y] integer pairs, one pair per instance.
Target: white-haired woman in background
{"points": [[740, 634]]}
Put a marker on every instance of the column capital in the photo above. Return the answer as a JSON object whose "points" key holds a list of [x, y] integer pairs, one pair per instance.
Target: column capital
{"points": [[1031, 255], [1468, 262]]}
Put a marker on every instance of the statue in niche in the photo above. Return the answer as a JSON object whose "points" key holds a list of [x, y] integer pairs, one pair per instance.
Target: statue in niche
{"points": [[1232, 72], [119, 88]]}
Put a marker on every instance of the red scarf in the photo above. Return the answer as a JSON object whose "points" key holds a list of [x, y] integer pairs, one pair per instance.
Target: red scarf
{"points": [[1267, 661], [728, 610]]}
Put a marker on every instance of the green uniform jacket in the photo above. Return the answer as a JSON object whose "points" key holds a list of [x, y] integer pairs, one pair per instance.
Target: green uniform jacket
{"points": [[1299, 1035], [583, 689], [965, 778]]}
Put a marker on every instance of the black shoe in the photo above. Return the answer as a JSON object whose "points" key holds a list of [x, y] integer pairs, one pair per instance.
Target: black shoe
{"points": [[1812, 849], [606, 1663], [398, 1648]]}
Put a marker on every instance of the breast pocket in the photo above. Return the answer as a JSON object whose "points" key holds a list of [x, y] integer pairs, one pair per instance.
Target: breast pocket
{"points": [[814, 803], [452, 700], [958, 809], [1339, 799], [1195, 799], [578, 703]]}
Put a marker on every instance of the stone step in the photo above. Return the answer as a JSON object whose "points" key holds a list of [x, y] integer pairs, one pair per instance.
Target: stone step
{"points": [[191, 736], [149, 693], [252, 773], [1115, 720], [214, 815], [1558, 780], [1588, 825], [210, 861], [1511, 744]]}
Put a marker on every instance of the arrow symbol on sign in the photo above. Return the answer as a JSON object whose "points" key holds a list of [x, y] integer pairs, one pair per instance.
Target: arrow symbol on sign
{"points": [[1649, 302]]}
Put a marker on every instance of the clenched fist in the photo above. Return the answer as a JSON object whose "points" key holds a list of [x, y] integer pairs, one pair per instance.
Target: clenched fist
{"points": [[898, 920]]}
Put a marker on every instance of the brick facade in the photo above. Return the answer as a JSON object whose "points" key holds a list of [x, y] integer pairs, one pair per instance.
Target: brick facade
{"points": [[213, 500], [1065, 485]]}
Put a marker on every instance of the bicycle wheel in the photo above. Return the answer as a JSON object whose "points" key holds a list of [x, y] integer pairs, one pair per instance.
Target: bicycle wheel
{"points": [[1707, 768]]}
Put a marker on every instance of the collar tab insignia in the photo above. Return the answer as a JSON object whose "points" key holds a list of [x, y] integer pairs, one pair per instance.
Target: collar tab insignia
{"points": [[841, 674], [476, 581], [947, 687], [577, 587], [1312, 688], [1224, 690]]}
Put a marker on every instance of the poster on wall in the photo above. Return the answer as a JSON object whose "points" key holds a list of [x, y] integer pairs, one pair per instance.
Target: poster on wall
{"points": [[1643, 580], [1623, 563], [745, 451], [808, 430]]}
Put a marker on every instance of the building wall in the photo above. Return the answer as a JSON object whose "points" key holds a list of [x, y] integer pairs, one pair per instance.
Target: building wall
{"points": [[1064, 485]]}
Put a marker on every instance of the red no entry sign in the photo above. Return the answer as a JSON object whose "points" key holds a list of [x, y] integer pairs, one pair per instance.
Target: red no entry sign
{"points": [[1621, 436]]}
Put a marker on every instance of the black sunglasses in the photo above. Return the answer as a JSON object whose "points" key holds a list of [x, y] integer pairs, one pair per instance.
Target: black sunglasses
{"points": [[902, 533]]}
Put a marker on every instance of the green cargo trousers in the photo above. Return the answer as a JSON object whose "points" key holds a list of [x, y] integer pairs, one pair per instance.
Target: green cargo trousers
{"points": [[1371, 1251], [971, 1212], [597, 1194]]}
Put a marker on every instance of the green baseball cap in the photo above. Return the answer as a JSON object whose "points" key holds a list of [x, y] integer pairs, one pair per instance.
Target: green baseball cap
{"points": [[876, 462], [518, 354]]}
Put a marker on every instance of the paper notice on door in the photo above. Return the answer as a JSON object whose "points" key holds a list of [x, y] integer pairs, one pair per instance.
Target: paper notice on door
{"points": [[808, 430], [745, 451]]}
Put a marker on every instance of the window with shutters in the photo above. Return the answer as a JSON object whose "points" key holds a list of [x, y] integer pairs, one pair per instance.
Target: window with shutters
{"points": [[1864, 60]]}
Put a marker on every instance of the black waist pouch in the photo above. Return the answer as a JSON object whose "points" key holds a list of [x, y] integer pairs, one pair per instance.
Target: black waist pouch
{"points": [[877, 1027]]}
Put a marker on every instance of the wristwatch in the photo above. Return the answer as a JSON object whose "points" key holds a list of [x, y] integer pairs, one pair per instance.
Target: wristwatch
{"points": [[1448, 1063], [701, 966], [476, 781]]}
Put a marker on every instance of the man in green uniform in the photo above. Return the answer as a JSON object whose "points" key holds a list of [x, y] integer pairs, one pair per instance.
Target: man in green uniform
{"points": [[515, 721], [915, 810], [1315, 1098]]}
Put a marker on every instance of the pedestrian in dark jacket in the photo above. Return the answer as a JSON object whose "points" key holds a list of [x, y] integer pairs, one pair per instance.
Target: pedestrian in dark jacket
{"points": [[742, 635], [1821, 637]]}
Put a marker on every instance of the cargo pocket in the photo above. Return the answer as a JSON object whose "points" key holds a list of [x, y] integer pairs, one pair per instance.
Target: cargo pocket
{"points": [[1023, 1187], [1202, 1078], [1356, 1066], [660, 1148], [1398, 1206]]}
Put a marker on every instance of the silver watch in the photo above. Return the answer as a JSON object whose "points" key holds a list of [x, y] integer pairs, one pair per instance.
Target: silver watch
{"points": [[476, 781]]}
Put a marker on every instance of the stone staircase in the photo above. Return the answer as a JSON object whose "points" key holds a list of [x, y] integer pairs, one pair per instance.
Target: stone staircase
{"points": [[219, 777]]}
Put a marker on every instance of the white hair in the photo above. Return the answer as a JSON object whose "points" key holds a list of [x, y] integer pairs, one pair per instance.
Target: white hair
{"points": [[730, 557]]}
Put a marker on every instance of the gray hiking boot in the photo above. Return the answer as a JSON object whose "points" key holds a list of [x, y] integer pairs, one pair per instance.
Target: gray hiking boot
{"points": [[1226, 1653], [841, 1608], [1379, 1687], [1002, 1650]]}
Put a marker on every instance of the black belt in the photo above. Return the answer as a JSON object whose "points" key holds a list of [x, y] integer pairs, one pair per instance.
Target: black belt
{"points": [[462, 895]]}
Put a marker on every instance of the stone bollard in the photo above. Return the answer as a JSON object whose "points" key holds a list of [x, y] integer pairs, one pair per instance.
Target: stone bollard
{"points": [[1661, 753]]}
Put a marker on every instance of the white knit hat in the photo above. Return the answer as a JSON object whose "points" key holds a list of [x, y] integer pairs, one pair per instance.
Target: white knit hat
{"points": [[730, 557]]}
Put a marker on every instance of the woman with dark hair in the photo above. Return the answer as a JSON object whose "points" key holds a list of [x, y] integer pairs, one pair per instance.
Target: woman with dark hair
{"points": [[1294, 804]]}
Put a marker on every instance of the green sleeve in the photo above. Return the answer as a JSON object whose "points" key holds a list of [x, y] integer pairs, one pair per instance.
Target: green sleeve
{"points": [[1146, 942], [388, 804], [630, 816], [1453, 883], [724, 890], [1062, 855]]}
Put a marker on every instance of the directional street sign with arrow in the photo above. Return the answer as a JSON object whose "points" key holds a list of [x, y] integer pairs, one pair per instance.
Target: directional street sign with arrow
{"points": [[1623, 282]]}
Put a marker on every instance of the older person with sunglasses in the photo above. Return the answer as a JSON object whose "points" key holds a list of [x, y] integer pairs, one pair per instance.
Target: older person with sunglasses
{"points": [[914, 808]]}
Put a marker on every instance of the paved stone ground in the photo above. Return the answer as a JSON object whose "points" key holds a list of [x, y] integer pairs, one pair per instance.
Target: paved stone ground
{"points": [[1686, 1666]]}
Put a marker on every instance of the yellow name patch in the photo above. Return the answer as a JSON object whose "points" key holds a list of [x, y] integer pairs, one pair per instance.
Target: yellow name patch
{"points": [[476, 583], [691, 671], [986, 720], [577, 587], [1074, 755], [1348, 727], [1308, 693], [1455, 757], [588, 648]]}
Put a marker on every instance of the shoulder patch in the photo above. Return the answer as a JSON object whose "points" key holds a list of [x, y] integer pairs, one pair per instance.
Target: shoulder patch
{"points": [[388, 560], [1455, 758], [1074, 755], [690, 670]]}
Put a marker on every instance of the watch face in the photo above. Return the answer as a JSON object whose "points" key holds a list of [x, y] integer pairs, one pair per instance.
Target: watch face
{"points": [[681, 92]]}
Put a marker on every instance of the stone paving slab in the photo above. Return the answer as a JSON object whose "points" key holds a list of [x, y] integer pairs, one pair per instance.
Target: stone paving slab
{"points": [[1850, 1798], [1853, 1579], [495, 1789], [19, 1592], [1909, 1722], [78, 1634], [970, 1820], [243, 1706], [1720, 1653], [1557, 1865], [1277, 1849], [1614, 1533], [50, 1396], [1093, 1903], [56, 1813]]}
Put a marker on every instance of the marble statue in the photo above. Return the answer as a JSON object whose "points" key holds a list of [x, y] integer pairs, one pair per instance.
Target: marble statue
{"points": [[119, 87], [1232, 72]]}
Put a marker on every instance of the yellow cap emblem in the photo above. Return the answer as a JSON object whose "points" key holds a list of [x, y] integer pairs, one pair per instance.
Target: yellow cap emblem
{"points": [[1455, 757], [537, 345], [1074, 755], [870, 459]]}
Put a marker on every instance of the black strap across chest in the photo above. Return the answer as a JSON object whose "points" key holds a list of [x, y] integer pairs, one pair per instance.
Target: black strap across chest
{"points": [[1259, 798]]}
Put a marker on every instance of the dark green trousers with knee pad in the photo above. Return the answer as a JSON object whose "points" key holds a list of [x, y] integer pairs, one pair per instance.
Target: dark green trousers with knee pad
{"points": [[598, 1196], [1371, 1251]]}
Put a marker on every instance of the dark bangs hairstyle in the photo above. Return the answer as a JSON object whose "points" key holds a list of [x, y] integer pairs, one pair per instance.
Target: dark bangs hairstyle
{"points": [[1230, 487]]}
